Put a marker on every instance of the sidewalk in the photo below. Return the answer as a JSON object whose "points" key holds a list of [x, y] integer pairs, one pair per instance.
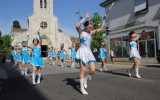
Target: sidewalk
{"points": [[142, 64]]}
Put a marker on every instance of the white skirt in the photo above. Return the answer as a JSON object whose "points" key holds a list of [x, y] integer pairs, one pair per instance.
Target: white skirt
{"points": [[134, 54], [85, 55]]}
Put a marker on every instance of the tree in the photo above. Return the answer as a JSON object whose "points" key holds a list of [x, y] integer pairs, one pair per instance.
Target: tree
{"points": [[16, 24], [96, 38], [5, 44], [0, 33]]}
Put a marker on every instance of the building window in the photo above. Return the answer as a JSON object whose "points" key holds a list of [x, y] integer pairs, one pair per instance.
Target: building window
{"points": [[43, 25], [125, 46], [41, 4], [141, 6], [45, 3], [116, 46]]}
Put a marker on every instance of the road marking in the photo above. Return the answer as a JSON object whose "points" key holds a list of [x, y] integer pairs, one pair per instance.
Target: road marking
{"points": [[142, 79]]}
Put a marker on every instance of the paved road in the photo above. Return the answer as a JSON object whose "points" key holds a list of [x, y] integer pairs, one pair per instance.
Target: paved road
{"points": [[62, 84]]}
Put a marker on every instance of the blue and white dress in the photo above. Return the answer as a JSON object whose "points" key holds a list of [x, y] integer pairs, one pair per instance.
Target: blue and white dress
{"points": [[73, 53], [102, 53], [84, 53], [53, 53], [62, 55], [13, 55], [26, 42], [25, 55], [49, 53], [134, 52], [36, 59], [19, 56]]}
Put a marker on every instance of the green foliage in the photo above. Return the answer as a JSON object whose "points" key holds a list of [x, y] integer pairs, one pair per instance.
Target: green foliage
{"points": [[96, 38], [5, 43], [16, 24]]}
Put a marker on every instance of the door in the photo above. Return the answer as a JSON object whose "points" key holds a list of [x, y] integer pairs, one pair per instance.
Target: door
{"points": [[147, 50]]}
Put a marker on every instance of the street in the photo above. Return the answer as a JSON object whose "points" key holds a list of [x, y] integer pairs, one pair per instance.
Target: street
{"points": [[63, 84]]}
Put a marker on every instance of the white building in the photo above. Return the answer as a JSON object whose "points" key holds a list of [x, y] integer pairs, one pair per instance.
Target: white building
{"points": [[134, 15], [45, 22]]}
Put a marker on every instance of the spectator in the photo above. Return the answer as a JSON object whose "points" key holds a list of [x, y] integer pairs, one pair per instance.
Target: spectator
{"points": [[112, 56]]}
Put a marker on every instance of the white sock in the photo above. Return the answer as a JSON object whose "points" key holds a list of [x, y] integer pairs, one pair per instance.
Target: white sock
{"points": [[137, 73], [39, 78], [33, 79], [26, 70], [104, 66], [82, 87], [61, 64], [53, 63], [73, 65]]}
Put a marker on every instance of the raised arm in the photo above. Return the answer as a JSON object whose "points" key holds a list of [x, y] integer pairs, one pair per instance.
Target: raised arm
{"points": [[78, 26], [136, 37], [102, 26]]}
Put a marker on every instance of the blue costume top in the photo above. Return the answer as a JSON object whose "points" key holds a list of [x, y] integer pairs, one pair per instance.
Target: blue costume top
{"points": [[133, 51], [61, 55], [53, 53], [73, 53], [36, 59], [19, 56], [25, 55], [13, 55], [102, 53], [49, 53], [26, 42]]}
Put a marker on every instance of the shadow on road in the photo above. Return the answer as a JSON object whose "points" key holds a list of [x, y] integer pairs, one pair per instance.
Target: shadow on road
{"points": [[18, 87], [73, 83]]}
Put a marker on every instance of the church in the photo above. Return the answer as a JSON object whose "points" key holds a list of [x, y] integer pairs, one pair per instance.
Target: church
{"points": [[42, 20]]}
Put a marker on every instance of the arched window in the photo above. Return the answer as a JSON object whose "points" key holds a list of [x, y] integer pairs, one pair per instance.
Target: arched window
{"points": [[45, 3], [41, 4]]}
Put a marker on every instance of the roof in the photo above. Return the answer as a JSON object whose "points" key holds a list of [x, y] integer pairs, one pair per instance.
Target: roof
{"points": [[106, 2], [18, 30]]}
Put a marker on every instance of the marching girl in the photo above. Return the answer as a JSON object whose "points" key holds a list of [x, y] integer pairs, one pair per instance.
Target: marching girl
{"points": [[53, 55], [73, 55], [25, 58], [12, 55], [19, 58], [40, 38], [62, 55], [134, 54], [84, 54], [36, 60], [49, 56], [102, 57]]}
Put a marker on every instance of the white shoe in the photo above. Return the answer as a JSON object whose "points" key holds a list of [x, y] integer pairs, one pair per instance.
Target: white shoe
{"points": [[50, 63], [62, 65], [100, 70], [26, 73], [53, 64], [89, 77], [82, 87], [105, 69], [33, 82], [85, 83], [137, 76], [38, 81], [129, 73]]}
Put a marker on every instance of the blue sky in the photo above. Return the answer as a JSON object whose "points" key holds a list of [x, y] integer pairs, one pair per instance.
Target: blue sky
{"points": [[64, 9]]}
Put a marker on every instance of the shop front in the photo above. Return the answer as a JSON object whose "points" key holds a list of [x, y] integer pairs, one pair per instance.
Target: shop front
{"points": [[119, 43]]}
